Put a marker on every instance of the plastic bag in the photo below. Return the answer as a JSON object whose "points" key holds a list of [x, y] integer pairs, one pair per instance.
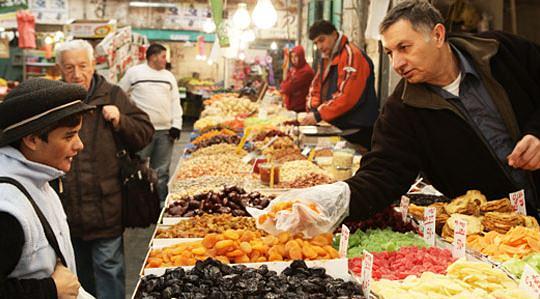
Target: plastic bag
{"points": [[311, 211], [84, 294]]}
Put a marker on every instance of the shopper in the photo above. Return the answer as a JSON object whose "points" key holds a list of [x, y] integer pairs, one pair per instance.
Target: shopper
{"points": [[154, 89], [343, 91], [466, 114], [39, 124], [298, 77], [92, 192]]}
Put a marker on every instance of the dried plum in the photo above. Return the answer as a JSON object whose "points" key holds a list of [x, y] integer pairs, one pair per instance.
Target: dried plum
{"points": [[212, 279]]}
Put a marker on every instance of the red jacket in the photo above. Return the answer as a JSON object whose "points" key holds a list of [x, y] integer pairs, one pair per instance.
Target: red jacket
{"points": [[344, 93], [296, 87]]}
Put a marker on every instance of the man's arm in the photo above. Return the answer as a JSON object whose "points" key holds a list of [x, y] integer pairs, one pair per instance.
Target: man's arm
{"points": [[390, 168], [357, 72], [176, 108], [11, 249], [314, 95], [135, 127]]}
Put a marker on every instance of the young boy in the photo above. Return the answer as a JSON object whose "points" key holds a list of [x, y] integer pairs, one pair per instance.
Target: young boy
{"points": [[39, 125]]}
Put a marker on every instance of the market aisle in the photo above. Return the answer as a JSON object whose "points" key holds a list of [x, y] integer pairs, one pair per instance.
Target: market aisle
{"points": [[136, 240]]}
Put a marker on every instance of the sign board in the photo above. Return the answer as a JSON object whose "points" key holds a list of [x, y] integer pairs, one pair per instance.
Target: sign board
{"points": [[518, 201], [404, 207], [460, 238], [429, 225], [367, 267], [344, 241]]}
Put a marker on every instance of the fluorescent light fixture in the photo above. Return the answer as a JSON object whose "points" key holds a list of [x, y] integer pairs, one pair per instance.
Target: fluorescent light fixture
{"points": [[151, 4]]}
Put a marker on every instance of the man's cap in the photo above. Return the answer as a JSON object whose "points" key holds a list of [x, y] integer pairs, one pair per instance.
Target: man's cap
{"points": [[36, 104]]}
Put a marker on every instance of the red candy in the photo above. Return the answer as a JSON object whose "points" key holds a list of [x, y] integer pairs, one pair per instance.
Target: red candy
{"points": [[407, 261]]}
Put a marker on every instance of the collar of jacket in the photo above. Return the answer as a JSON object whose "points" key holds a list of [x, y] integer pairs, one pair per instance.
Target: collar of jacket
{"points": [[343, 40], [98, 92], [480, 50]]}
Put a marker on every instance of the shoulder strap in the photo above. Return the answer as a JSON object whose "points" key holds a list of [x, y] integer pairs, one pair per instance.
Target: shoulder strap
{"points": [[46, 226]]}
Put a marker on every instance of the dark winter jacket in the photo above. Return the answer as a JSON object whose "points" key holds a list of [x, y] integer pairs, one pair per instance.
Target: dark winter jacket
{"points": [[92, 190], [296, 87], [419, 131]]}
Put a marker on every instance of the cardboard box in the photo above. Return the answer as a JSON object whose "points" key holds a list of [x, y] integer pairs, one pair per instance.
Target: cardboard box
{"points": [[91, 28]]}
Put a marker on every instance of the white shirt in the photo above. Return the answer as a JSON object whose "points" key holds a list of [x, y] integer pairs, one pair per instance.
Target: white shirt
{"points": [[453, 87], [156, 93]]}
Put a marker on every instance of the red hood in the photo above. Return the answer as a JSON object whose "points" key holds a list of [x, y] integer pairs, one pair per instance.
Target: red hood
{"points": [[299, 51]]}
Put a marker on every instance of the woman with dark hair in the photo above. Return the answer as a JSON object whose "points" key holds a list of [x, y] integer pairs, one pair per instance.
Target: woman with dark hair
{"points": [[298, 78]]}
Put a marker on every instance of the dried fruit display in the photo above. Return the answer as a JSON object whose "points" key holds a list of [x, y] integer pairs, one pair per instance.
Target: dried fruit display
{"points": [[379, 240], [518, 242], [218, 139], [309, 180], [388, 218], [210, 122], [464, 280], [230, 200], [230, 106], [426, 199], [285, 155], [215, 280], [406, 261], [262, 136], [284, 206], [474, 226], [241, 246], [219, 149], [217, 165], [212, 133], [200, 226], [206, 183], [294, 169]]}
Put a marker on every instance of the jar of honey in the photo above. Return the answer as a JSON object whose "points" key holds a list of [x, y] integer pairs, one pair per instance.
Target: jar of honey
{"points": [[265, 171]]}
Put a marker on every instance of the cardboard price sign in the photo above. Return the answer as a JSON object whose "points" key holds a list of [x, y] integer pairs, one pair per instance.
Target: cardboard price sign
{"points": [[344, 241], [404, 207], [430, 215], [367, 266], [518, 201], [530, 281], [460, 238]]}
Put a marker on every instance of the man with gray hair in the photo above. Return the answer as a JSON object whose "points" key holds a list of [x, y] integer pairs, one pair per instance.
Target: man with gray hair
{"points": [[466, 114], [91, 193]]}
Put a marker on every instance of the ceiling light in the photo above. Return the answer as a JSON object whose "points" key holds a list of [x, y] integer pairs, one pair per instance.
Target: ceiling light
{"points": [[273, 46], [264, 14], [241, 18]]}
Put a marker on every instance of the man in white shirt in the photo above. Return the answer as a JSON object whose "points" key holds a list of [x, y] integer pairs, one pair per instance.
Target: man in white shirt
{"points": [[155, 91]]}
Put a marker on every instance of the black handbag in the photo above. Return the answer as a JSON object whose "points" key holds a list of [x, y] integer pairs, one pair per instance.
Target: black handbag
{"points": [[140, 199]]}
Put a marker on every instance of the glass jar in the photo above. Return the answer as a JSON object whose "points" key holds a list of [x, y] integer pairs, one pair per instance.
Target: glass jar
{"points": [[341, 174], [343, 158], [265, 171]]}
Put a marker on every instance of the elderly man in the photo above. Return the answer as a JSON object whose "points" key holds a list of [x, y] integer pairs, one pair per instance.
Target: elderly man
{"points": [[457, 115], [92, 191], [40, 122]]}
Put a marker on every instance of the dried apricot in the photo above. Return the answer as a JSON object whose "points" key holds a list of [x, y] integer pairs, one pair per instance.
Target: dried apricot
{"points": [[222, 259], [284, 237], [199, 251], [241, 259], [309, 252], [210, 240], [295, 253], [235, 253], [154, 262], [275, 257], [231, 234], [223, 244], [246, 247], [270, 240]]}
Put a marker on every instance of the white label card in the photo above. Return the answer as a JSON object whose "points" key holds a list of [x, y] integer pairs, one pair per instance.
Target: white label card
{"points": [[460, 238], [344, 241], [530, 281], [430, 215], [518, 201], [306, 151], [340, 145], [404, 207], [367, 266]]}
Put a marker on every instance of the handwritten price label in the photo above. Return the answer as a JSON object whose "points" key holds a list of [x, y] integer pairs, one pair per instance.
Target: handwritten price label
{"points": [[340, 145], [430, 215], [518, 201], [344, 241], [530, 281], [404, 207], [460, 238], [306, 151], [367, 266]]}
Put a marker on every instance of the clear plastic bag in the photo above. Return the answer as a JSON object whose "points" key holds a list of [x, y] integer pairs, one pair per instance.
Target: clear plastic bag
{"points": [[314, 210]]}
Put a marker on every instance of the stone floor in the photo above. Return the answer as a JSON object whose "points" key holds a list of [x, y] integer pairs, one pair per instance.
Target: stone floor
{"points": [[136, 240]]}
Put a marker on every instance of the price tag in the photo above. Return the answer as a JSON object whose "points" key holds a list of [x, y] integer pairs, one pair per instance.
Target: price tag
{"points": [[344, 241], [272, 173], [404, 207], [367, 265], [518, 201], [340, 145], [530, 281], [311, 155], [429, 225], [460, 238], [244, 139], [306, 151]]}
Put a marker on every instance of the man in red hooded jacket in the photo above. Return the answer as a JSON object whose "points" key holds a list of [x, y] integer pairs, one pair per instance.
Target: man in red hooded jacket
{"points": [[298, 78]]}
